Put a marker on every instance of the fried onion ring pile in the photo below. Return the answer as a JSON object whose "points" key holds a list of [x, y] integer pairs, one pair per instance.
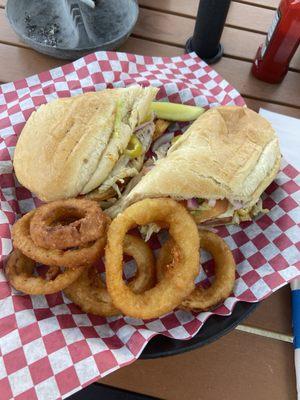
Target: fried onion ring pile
{"points": [[67, 223], [19, 270], [79, 220], [84, 255], [90, 293], [170, 291], [69, 237], [203, 299]]}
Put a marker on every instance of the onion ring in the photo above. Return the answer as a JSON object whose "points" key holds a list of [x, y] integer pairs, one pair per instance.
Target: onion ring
{"points": [[168, 293], [203, 299], [19, 270], [52, 273], [68, 223], [90, 293], [83, 256]]}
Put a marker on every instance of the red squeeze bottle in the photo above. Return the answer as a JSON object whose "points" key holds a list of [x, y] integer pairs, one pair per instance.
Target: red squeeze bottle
{"points": [[273, 57]]}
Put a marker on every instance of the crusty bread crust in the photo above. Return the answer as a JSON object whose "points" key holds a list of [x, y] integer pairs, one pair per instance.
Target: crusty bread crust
{"points": [[229, 152], [136, 103], [63, 143]]}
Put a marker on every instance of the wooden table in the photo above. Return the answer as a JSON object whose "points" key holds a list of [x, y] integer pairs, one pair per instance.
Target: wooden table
{"points": [[256, 360]]}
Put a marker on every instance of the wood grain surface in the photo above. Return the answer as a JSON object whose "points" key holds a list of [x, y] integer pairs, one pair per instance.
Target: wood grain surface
{"points": [[272, 4], [17, 63], [239, 72], [237, 366], [162, 30], [264, 318], [237, 43], [285, 110], [240, 15]]}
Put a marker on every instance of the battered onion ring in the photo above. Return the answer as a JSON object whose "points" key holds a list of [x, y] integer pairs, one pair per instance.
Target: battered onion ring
{"points": [[203, 299], [83, 256], [170, 292], [49, 227], [19, 270], [90, 293]]}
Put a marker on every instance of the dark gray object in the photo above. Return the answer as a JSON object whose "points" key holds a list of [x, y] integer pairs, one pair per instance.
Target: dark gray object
{"points": [[214, 328], [69, 29], [97, 391], [209, 26]]}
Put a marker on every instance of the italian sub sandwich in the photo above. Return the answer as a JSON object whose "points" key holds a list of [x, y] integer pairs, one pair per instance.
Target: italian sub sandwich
{"points": [[87, 145], [218, 168]]}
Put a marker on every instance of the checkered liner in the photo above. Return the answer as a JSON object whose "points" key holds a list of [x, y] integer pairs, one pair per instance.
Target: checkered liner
{"points": [[48, 347]]}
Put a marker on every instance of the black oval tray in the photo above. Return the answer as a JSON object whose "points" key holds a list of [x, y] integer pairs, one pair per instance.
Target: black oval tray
{"points": [[215, 327]]}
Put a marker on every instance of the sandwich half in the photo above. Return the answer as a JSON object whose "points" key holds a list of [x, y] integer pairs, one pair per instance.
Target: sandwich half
{"points": [[218, 168], [85, 145]]}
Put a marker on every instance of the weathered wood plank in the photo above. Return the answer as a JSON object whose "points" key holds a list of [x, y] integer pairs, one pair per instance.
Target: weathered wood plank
{"points": [[240, 15], [155, 25], [159, 26], [17, 63], [280, 301], [292, 112], [264, 3], [147, 48], [238, 73], [238, 366]]}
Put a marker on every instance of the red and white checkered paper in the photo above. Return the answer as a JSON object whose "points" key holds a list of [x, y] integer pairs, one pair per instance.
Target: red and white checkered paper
{"points": [[48, 347]]}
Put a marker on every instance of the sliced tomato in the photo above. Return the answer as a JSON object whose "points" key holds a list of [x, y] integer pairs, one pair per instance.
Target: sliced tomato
{"points": [[205, 215]]}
